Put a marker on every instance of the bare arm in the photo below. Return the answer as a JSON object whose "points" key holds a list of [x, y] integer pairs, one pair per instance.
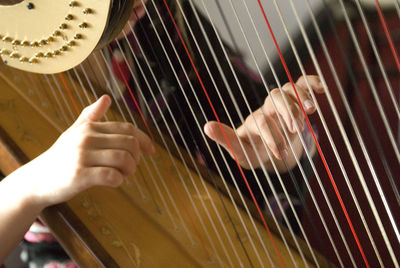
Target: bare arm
{"points": [[88, 154]]}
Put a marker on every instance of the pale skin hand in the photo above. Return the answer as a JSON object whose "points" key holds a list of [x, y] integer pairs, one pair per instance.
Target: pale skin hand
{"points": [[263, 124], [89, 153]]}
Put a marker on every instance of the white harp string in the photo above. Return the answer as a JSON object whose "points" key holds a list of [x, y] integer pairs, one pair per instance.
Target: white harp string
{"points": [[63, 108], [242, 119], [320, 113], [144, 55], [155, 166], [303, 143], [194, 164], [201, 108], [178, 148], [352, 153], [348, 109]]}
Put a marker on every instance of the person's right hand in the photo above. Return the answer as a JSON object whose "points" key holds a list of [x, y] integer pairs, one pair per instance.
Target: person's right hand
{"points": [[264, 128]]}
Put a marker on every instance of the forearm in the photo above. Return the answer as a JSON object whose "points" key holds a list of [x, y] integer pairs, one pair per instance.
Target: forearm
{"points": [[17, 213]]}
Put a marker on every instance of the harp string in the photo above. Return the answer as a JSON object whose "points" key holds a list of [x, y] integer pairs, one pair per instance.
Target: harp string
{"points": [[85, 92], [77, 75], [75, 89], [155, 166], [175, 226], [328, 94], [217, 165], [387, 33], [394, 189], [154, 54], [32, 81], [176, 188], [397, 6], [178, 172], [202, 111], [189, 29], [224, 134], [356, 238], [185, 144], [147, 187], [60, 107], [60, 75], [192, 180], [370, 81], [133, 121], [70, 113], [309, 158], [251, 140], [58, 86], [354, 84], [395, 104], [49, 98], [238, 111], [378, 58], [184, 162], [273, 71], [141, 191]]}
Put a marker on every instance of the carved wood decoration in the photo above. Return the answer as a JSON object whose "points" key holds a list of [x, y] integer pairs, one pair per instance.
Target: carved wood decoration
{"points": [[70, 31]]}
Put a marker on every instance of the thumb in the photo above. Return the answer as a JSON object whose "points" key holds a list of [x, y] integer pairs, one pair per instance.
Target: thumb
{"points": [[226, 137], [95, 111]]}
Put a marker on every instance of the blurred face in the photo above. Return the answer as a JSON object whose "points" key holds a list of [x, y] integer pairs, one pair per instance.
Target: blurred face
{"points": [[138, 12]]}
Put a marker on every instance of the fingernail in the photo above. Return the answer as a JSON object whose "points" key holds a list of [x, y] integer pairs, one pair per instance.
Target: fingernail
{"points": [[308, 104], [152, 149], [294, 123]]}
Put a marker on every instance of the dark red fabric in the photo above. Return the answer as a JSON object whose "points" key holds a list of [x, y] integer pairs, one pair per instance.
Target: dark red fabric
{"points": [[355, 103]]}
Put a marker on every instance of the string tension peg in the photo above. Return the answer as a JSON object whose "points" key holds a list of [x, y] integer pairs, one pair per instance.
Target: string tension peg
{"points": [[87, 11], [14, 55]]}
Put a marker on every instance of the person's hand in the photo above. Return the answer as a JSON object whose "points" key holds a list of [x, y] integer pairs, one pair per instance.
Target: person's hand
{"points": [[264, 124], [89, 153]]}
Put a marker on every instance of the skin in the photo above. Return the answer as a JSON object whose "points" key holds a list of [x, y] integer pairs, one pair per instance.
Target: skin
{"points": [[89, 153], [263, 124], [97, 153], [92, 153]]}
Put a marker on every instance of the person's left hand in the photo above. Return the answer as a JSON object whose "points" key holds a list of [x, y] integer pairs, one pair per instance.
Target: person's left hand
{"points": [[263, 124], [89, 153]]}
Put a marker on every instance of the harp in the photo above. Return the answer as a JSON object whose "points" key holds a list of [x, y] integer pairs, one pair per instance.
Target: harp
{"points": [[191, 205]]}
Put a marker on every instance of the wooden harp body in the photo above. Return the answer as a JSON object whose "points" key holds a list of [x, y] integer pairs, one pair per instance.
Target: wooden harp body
{"points": [[176, 212]]}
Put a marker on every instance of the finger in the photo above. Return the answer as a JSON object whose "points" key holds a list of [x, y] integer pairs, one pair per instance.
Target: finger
{"points": [[268, 129], [121, 160], [224, 136], [100, 176], [95, 111], [100, 141], [314, 81], [284, 110], [123, 128], [303, 94]]}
